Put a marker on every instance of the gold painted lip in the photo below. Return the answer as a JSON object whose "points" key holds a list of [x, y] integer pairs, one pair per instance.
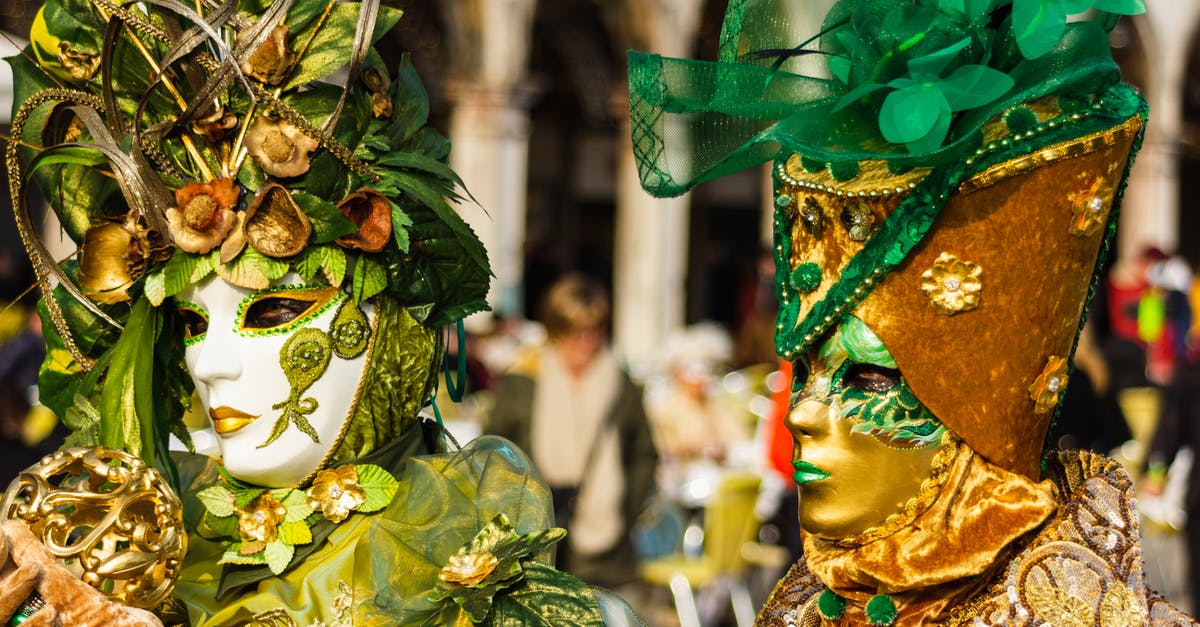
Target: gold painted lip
{"points": [[227, 420]]}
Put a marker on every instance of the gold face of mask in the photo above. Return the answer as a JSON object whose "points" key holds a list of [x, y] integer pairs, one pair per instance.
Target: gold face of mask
{"points": [[863, 442]]}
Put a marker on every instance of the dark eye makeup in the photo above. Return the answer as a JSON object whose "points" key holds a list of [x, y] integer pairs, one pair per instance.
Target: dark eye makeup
{"points": [[871, 378], [273, 311]]}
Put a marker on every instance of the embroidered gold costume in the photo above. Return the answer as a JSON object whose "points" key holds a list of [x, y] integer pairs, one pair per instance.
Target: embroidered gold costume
{"points": [[945, 192]]}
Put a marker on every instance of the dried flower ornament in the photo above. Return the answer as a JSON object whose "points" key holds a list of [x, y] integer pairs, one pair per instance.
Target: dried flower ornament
{"points": [[275, 224], [112, 257], [273, 59], [1048, 387], [203, 214], [952, 285], [279, 147], [372, 214]]}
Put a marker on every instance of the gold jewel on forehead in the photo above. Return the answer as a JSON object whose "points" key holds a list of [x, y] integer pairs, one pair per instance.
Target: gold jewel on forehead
{"points": [[187, 305], [320, 297]]}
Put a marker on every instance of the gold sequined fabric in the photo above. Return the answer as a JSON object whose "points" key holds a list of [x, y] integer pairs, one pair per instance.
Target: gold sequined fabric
{"points": [[1084, 567]]}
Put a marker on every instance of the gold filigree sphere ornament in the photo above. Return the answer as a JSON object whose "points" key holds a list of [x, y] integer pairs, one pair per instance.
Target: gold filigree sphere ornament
{"points": [[108, 517], [952, 284], [1090, 207], [1048, 386]]}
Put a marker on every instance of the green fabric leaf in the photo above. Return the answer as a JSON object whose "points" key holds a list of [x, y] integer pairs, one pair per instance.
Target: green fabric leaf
{"points": [[400, 224], [937, 134], [84, 421], [1038, 25], [329, 260], [379, 487], [252, 270], [1122, 7], [222, 527], [181, 271], [296, 503], [929, 67], [218, 500], [334, 41], [242, 498], [369, 279], [973, 86], [546, 597], [233, 556], [410, 103], [127, 414], [326, 177], [277, 555], [251, 175], [328, 223], [70, 155], [293, 533], [910, 114]]}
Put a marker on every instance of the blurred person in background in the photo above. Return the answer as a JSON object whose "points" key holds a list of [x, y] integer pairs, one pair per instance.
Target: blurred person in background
{"points": [[691, 421], [574, 408], [1179, 427]]}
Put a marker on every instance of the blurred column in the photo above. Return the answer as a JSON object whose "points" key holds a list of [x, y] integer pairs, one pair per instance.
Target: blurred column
{"points": [[489, 128], [1150, 215], [649, 264]]}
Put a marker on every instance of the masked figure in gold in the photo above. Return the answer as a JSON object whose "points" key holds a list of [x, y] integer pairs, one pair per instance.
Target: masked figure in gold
{"points": [[943, 197], [285, 248]]}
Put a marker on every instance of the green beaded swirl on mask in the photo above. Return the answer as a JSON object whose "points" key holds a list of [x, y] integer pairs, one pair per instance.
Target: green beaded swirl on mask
{"points": [[304, 358], [349, 331]]}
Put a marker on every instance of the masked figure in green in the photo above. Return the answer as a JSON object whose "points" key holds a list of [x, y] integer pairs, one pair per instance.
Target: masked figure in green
{"points": [[280, 256], [944, 192]]}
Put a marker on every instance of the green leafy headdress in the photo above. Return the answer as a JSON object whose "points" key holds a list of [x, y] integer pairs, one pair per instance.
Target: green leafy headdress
{"points": [[176, 141], [951, 181]]}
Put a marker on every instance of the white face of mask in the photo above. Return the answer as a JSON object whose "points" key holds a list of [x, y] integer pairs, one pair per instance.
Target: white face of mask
{"points": [[272, 433]]}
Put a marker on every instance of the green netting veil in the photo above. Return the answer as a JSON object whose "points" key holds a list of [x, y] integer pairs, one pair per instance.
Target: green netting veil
{"points": [[909, 82]]}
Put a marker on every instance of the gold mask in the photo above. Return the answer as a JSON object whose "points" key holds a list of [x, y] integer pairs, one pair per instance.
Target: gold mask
{"points": [[864, 444]]}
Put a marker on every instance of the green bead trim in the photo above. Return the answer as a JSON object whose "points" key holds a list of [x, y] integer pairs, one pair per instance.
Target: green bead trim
{"points": [[288, 327], [350, 331], [304, 358], [830, 605], [881, 610], [912, 219], [807, 277], [189, 305]]}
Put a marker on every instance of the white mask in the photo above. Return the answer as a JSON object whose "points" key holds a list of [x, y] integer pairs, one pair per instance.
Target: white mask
{"points": [[236, 365]]}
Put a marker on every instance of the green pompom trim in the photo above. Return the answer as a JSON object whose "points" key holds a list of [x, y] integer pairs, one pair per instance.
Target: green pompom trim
{"points": [[811, 165], [807, 277], [844, 170], [881, 610], [830, 605], [1020, 120]]}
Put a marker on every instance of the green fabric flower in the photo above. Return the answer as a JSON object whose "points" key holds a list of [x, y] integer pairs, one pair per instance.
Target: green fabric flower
{"points": [[919, 111], [493, 560], [1039, 24]]}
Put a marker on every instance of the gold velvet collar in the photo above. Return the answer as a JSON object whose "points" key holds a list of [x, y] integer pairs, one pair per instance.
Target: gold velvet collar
{"points": [[937, 561]]}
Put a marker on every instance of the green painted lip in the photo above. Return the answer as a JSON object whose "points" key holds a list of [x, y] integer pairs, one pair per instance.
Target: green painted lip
{"points": [[807, 473]]}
